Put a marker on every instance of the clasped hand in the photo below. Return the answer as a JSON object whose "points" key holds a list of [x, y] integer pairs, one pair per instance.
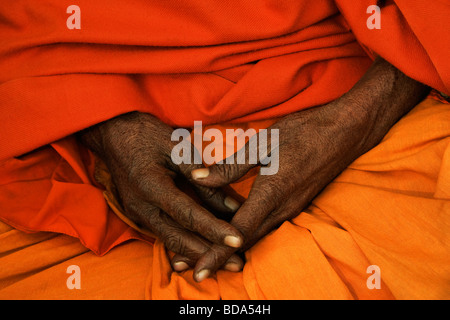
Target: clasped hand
{"points": [[313, 146]]}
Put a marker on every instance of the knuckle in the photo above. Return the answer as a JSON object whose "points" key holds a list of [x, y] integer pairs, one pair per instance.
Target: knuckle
{"points": [[151, 186], [215, 258], [185, 215], [265, 196], [218, 256], [187, 168], [227, 172], [274, 190], [246, 228], [174, 242]]}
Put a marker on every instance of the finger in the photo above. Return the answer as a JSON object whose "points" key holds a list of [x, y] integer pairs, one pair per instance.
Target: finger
{"points": [[211, 261], [192, 216], [272, 221], [265, 196], [262, 201], [181, 263], [214, 198], [219, 175], [181, 241], [259, 150], [219, 201], [215, 257], [175, 238], [230, 170], [223, 205]]}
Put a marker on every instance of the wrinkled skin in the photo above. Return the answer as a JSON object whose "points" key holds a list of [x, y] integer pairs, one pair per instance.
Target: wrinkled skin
{"points": [[315, 145], [136, 148]]}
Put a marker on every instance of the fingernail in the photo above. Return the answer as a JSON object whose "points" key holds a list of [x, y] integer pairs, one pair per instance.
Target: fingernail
{"points": [[180, 266], [200, 173], [231, 204], [202, 275], [233, 267], [232, 241]]}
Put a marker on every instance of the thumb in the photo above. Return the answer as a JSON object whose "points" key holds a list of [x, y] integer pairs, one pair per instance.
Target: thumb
{"points": [[233, 167], [219, 175]]}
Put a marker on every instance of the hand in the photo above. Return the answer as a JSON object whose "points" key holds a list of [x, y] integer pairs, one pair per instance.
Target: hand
{"points": [[314, 146], [136, 148]]}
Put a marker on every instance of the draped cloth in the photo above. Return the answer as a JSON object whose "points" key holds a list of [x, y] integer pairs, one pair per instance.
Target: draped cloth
{"points": [[245, 65]]}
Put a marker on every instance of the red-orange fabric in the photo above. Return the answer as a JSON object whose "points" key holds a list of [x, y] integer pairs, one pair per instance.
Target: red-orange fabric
{"points": [[197, 60]]}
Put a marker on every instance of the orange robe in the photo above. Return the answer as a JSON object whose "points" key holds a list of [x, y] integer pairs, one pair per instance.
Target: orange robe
{"points": [[243, 64]]}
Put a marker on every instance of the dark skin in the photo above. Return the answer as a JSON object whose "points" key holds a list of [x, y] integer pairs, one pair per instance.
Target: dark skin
{"points": [[315, 146], [136, 148]]}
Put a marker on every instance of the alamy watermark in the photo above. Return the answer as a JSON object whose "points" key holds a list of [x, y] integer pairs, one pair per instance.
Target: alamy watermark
{"points": [[374, 280], [374, 21], [74, 20], [74, 280]]}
